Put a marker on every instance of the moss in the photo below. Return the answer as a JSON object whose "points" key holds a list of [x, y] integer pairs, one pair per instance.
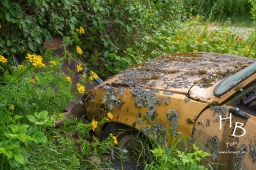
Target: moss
{"points": [[146, 78], [219, 73], [190, 121], [170, 59], [239, 88], [143, 78], [243, 66], [214, 103], [190, 73], [207, 82], [171, 71], [202, 71], [187, 54], [187, 60], [136, 65], [154, 77]]}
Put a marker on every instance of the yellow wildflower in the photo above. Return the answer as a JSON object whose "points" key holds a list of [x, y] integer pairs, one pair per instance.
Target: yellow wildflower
{"points": [[110, 116], [0, 26], [68, 79], [2, 59], [79, 67], [21, 67], [80, 30], [80, 88], [35, 60], [84, 75], [79, 50], [52, 63], [12, 107], [93, 76], [32, 81], [94, 124], [114, 138]]}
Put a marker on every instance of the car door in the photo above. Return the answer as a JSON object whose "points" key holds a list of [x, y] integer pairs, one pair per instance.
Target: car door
{"points": [[228, 131]]}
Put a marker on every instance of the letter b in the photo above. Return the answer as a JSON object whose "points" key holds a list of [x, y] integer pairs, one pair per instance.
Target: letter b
{"points": [[241, 124]]}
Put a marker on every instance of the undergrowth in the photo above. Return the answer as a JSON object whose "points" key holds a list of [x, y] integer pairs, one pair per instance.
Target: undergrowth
{"points": [[109, 37]]}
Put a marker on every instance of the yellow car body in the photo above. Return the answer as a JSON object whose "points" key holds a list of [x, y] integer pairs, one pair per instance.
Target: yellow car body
{"points": [[181, 95]]}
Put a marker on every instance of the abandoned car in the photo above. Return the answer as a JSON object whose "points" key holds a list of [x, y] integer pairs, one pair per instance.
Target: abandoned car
{"points": [[209, 98]]}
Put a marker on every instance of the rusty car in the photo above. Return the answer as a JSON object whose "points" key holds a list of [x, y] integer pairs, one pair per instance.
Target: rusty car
{"points": [[207, 97]]}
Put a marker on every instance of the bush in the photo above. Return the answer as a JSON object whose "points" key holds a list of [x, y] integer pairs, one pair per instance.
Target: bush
{"points": [[221, 10], [33, 96], [110, 27]]}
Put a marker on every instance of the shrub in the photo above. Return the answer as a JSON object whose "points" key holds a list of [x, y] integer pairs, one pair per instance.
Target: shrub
{"points": [[220, 9], [110, 27]]}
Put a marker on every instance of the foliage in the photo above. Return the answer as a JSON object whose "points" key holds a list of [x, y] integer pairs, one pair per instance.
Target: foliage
{"points": [[179, 155], [27, 24], [109, 27], [192, 36], [253, 10], [238, 10], [32, 97], [108, 36]]}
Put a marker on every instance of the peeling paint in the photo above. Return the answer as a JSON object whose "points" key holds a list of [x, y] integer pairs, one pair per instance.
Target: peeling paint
{"points": [[168, 93], [240, 156], [183, 144], [159, 101], [120, 91], [167, 100], [217, 119], [221, 110], [252, 153], [190, 141], [214, 142], [186, 99], [110, 98], [208, 122], [145, 98], [157, 131], [91, 99], [172, 116]]}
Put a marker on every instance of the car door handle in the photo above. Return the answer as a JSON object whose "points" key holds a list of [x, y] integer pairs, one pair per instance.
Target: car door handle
{"points": [[238, 113]]}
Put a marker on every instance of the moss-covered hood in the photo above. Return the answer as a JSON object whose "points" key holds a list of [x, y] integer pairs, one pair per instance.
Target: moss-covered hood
{"points": [[184, 73]]}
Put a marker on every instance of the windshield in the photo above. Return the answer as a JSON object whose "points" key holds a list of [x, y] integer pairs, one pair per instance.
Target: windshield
{"points": [[234, 80]]}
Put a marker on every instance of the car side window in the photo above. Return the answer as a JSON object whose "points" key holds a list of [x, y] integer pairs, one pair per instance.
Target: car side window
{"points": [[246, 100], [249, 100]]}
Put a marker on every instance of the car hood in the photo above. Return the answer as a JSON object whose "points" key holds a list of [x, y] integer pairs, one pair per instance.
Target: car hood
{"points": [[193, 74]]}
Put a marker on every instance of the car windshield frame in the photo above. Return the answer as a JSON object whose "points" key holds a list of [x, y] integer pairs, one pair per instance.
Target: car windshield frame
{"points": [[233, 80]]}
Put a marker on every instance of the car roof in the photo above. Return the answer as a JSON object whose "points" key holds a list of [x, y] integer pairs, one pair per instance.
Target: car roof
{"points": [[181, 72]]}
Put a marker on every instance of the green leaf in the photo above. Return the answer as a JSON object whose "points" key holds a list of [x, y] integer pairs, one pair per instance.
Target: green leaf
{"points": [[20, 158], [6, 3], [32, 46], [73, 19], [31, 1], [14, 12], [11, 135], [8, 17], [32, 118], [22, 128], [17, 117], [14, 128], [41, 116], [13, 49], [72, 26], [40, 137], [9, 43], [13, 146]]}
